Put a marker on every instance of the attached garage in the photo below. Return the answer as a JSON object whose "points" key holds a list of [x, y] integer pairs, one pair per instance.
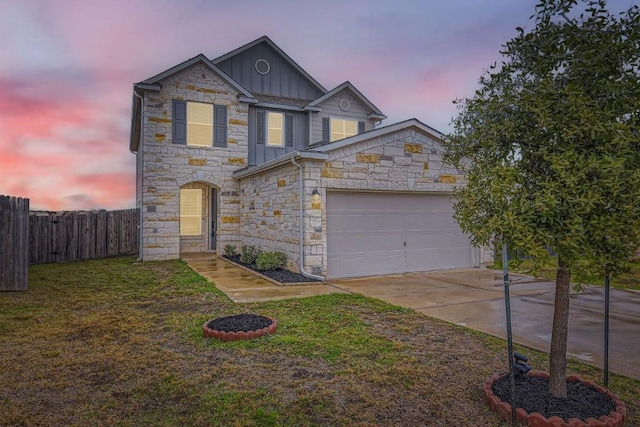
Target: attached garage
{"points": [[371, 233]]}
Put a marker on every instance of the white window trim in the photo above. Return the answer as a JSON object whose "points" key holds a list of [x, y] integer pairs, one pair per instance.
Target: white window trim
{"points": [[344, 135], [282, 129]]}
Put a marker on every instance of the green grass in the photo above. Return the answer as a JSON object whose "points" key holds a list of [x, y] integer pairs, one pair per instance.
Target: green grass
{"points": [[629, 280], [117, 342]]}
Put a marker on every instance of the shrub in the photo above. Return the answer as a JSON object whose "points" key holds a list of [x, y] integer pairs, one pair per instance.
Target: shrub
{"points": [[271, 260], [230, 251], [249, 254]]}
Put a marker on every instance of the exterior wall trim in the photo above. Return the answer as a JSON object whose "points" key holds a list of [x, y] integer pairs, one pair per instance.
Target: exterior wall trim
{"points": [[303, 155], [188, 63], [357, 93], [415, 123]]}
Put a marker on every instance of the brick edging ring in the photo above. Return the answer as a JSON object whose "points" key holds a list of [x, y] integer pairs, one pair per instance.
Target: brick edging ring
{"points": [[536, 419], [240, 335]]}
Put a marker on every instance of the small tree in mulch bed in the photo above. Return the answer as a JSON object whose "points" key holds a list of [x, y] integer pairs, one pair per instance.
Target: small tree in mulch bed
{"points": [[554, 138]]}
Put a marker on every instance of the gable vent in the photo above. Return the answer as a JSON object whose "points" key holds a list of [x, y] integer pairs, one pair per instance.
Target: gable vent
{"points": [[262, 66], [344, 105]]}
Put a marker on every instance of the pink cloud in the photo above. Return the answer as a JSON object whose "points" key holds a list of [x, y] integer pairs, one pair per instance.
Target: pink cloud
{"points": [[49, 137]]}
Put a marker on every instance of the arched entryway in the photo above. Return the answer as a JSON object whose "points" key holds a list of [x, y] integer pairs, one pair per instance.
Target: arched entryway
{"points": [[199, 202]]}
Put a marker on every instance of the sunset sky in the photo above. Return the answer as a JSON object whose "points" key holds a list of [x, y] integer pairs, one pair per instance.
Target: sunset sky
{"points": [[67, 68]]}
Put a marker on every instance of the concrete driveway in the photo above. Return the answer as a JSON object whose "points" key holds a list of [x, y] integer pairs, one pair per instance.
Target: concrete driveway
{"points": [[475, 298]]}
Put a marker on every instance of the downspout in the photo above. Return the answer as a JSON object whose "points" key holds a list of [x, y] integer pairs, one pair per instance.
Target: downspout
{"points": [[141, 152], [300, 198]]}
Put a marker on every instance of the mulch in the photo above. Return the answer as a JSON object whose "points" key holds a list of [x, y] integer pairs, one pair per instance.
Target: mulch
{"points": [[279, 274], [532, 395], [239, 322]]}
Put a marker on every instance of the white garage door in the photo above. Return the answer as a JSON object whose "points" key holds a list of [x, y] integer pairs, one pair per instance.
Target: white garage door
{"points": [[387, 233]]}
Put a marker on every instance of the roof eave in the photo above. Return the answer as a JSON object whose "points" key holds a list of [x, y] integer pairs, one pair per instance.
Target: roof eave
{"points": [[188, 63], [280, 161], [375, 133], [350, 86], [375, 116], [157, 87], [247, 99]]}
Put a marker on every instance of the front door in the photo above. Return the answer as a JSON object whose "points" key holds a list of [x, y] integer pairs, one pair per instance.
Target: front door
{"points": [[213, 216]]}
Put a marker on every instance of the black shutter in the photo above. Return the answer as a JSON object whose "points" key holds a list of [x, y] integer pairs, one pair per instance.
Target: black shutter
{"points": [[360, 127], [261, 130], [179, 112], [288, 130], [325, 129], [220, 126]]}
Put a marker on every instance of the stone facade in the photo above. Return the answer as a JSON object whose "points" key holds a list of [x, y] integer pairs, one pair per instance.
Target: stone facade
{"points": [[270, 214], [403, 161], [165, 167], [407, 160]]}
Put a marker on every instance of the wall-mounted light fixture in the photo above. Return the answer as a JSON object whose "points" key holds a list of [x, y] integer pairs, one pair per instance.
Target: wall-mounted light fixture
{"points": [[316, 201]]}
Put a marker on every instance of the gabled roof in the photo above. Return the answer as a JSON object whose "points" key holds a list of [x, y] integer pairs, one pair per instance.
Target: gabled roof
{"points": [[188, 63], [320, 151], [153, 83], [356, 92], [275, 47], [324, 147]]}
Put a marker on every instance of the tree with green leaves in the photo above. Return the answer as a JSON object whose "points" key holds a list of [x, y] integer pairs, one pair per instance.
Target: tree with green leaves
{"points": [[550, 144]]}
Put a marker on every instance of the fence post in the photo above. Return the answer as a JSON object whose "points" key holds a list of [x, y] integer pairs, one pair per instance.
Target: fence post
{"points": [[14, 243]]}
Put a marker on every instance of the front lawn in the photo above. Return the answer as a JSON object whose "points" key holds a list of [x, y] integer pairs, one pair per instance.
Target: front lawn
{"points": [[116, 342]]}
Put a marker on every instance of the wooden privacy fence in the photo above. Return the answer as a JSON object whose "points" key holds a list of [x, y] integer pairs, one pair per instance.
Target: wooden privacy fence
{"points": [[14, 240], [71, 236]]}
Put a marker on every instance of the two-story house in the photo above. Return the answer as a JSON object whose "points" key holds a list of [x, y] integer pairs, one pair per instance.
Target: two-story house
{"points": [[248, 148]]}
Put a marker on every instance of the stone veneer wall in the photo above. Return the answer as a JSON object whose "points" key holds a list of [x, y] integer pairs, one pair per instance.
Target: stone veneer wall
{"points": [[167, 167], [270, 215], [407, 161]]}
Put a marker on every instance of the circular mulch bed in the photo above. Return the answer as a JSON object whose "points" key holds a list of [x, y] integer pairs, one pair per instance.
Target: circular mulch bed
{"points": [[239, 327], [587, 404]]}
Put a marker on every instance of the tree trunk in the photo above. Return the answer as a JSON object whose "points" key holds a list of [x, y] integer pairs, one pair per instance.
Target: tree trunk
{"points": [[559, 334]]}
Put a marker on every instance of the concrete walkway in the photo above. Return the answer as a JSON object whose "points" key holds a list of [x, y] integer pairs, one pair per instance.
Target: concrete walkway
{"points": [[241, 286], [473, 298]]}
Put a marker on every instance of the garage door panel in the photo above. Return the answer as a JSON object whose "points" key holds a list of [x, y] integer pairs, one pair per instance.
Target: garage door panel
{"points": [[367, 232], [380, 262]]}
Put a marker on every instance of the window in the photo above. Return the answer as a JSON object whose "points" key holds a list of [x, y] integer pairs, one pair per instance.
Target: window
{"points": [[194, 124], [199, 124], [190, 212], [343, 128], [275, 129]]}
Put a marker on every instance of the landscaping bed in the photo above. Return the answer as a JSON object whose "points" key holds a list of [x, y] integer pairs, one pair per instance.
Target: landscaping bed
{"points": [[586, 402], [279, 274], [239, 327]]}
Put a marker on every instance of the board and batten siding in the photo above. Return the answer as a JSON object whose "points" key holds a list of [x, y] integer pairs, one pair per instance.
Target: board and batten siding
{"points": [[261, 153], [281, 80], [331, 108]]}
